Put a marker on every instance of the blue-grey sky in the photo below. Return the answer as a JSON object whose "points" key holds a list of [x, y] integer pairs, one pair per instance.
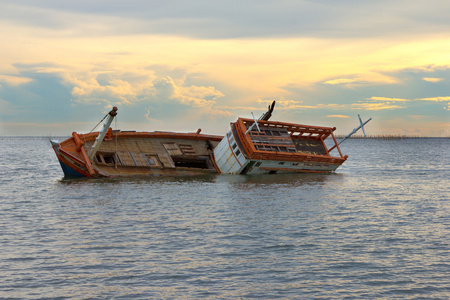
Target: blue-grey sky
{"points": [[183, 65]]}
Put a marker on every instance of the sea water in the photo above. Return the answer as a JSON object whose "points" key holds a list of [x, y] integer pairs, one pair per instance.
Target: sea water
{"points": [[377, 228]]}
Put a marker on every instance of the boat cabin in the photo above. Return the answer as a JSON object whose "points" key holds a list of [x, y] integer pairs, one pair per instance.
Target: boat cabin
{"points": [[274, 147]]}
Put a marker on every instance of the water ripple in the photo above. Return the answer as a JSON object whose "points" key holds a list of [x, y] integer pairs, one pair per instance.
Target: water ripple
{"points": [[376, 229]]}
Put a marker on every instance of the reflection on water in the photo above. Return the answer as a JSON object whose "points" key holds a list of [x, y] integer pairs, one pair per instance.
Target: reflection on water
{"points": [[244, 181], [375, 229], [296, 179]]}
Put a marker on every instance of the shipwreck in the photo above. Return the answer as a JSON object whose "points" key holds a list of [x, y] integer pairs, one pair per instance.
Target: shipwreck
{"points": [[251, 146]]}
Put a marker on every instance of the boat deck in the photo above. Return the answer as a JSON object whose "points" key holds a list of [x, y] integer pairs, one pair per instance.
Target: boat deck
{"points": [[281, 140]]}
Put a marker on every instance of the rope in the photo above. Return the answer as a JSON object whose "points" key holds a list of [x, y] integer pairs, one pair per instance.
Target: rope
{"points": [[98, 123], [115, 150]]}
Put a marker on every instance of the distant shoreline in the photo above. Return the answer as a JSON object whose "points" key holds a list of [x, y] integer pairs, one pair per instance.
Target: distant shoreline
{"points": [[338, 136], [390, 137], [61, 137]]}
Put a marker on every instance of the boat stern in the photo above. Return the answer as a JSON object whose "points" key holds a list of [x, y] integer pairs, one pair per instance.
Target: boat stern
{"points": [[230, 158]]}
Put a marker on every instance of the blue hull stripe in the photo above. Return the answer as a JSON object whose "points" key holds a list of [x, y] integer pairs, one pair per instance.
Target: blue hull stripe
{"points": [[68, 171]]}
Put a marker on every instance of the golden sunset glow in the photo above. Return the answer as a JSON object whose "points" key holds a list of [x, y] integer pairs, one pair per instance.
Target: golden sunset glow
{"points": [[146, 65]]}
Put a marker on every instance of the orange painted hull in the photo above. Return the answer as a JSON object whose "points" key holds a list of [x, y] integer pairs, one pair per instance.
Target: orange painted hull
{"points": [[276, 147], [72, 154]]}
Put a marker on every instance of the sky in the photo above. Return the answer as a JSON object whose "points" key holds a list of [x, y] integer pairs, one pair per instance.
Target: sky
{"points": [[175, 65]]}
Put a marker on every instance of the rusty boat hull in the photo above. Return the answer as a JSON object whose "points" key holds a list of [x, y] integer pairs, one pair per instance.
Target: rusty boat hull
{"points": [[278, 148], [250, 147], [127, 153]]}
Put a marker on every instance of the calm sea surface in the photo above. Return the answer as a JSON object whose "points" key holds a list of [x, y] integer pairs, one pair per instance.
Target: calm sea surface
{"points": [[378, 228]]}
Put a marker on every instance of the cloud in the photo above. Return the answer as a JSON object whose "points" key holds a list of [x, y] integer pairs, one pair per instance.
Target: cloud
{"points": [[195, 96], [388, 99], [43, 96], [234, 18], [188, 101], [117, 88], [174, 99], [50, 94], [186, 62], [375, 106], [152, 120], [429, 79], [340, 81], [212, 113], [333, 95], [7, 108], [338, 116], [435, 99], [387, 102], [14, 80], [116, 91], [287, 104]]}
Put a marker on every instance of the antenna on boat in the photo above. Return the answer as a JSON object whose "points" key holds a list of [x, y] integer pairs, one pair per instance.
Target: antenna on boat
{"points": [[254, 124], [356, 129], [265, 117]]}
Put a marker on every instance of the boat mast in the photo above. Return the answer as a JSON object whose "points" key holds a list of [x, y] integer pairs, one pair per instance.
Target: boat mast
{"points": [[265, 117], [102, 133]]}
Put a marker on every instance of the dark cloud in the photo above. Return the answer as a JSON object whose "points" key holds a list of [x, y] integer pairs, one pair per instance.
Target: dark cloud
{"points": [[369, 97], [51, 96], [44, 97], [48, 98], [236, 18]]}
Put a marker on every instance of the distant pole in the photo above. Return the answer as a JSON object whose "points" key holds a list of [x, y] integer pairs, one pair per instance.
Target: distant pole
{"points": [[362, 125], [356, 129]]}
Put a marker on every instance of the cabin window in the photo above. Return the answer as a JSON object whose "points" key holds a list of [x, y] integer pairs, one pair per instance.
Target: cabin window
{"points": [[281, 163], [152, 160], [107, 158], [172, 148], [248, 167], [258, 164], [238, 152], [233, 146], [195, 162]]}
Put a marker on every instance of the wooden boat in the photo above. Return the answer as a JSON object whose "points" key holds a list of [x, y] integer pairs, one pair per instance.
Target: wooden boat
{"points": [[250, 147]]}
